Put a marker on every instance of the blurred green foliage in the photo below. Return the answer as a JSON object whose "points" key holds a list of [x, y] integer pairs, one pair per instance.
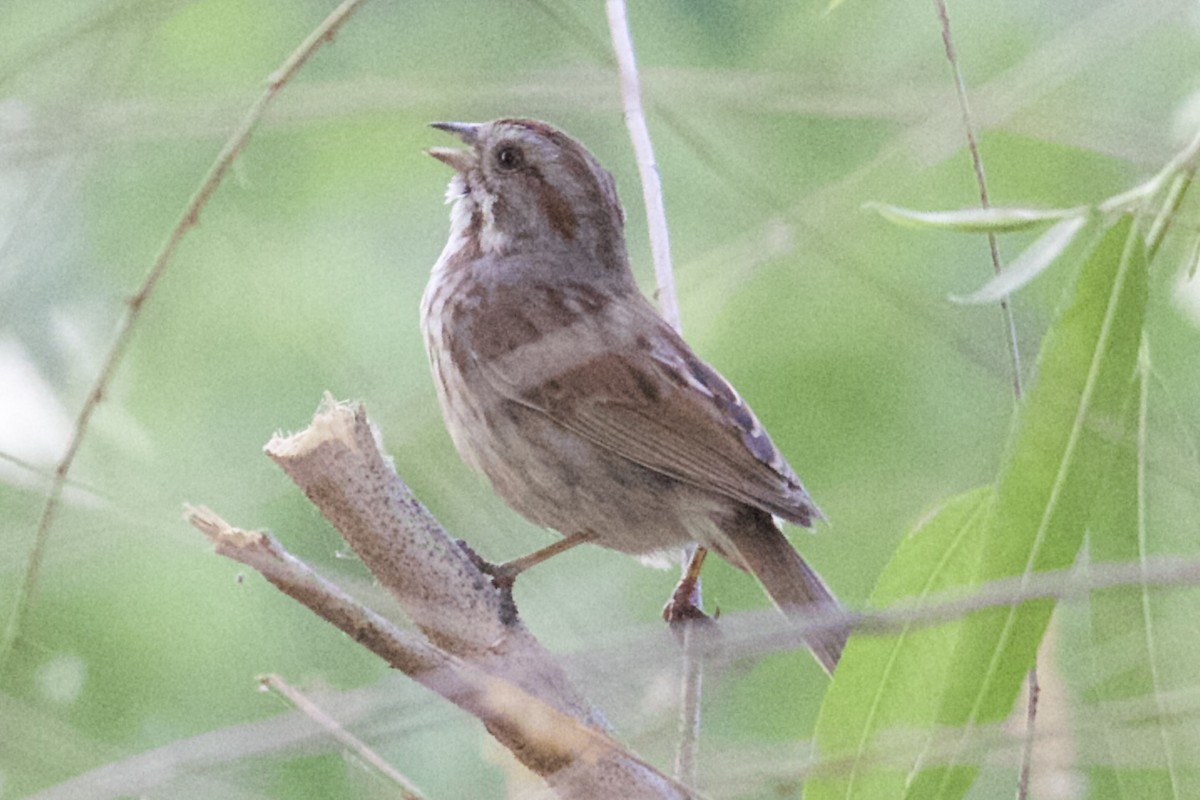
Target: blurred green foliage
{"points": [[773, 125]]}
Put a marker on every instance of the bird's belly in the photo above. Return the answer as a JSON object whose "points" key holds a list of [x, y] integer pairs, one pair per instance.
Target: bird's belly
{"points": [[561, 480]]}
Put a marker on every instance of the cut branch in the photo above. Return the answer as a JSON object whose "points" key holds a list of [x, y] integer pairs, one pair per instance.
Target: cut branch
{"points": [[471, 648]]}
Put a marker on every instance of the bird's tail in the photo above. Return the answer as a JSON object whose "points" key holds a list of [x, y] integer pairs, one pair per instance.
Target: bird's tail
{"points": [[793, 585]]}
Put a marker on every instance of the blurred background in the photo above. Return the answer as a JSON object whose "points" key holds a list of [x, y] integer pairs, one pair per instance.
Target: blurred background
{"points": [[773, 125]]}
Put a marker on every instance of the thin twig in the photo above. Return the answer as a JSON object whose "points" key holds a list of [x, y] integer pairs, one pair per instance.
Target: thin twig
{"points": [[652, 195], [761, 193], [960, 88], [894, 748], [187, 220], [768, 635], [691, 669], [1031, 704], [275, 683], [1184, 166], [40, 474], [691, 686]]}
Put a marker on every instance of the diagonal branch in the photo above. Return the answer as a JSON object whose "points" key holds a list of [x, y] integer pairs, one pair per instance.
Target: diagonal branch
{"points": [[116, 353], [471, 647]]}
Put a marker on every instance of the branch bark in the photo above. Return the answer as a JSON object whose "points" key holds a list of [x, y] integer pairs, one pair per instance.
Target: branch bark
{"points": [[470, 647]]}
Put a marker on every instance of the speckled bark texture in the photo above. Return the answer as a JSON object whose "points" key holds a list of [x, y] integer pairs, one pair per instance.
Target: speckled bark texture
{"points": [[471, 648]]}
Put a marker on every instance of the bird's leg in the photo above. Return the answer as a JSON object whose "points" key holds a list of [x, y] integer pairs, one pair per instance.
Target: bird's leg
{"points": [[504, 575], [684, 604]]}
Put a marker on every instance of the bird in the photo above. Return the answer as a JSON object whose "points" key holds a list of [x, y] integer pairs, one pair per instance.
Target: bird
{"points": [[562, 384]]}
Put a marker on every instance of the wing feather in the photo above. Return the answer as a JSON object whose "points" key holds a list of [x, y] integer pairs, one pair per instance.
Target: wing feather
{"points": [[647, 397]]}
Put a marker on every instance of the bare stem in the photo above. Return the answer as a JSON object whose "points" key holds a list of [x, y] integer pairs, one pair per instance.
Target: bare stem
{"points": [[187, 220], [691, 688], [660, 247], [275, 683], [1184, 166], [1014, 352], [960, 88], [949, 606], [652, 194], [1031, 705]]}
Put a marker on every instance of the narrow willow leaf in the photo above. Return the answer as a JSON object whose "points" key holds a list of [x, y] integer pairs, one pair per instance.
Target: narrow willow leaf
{"points": [[1032, 262], [884, 689], [975, 220], [1129, 636], [1122, 628], [1057, 461]]}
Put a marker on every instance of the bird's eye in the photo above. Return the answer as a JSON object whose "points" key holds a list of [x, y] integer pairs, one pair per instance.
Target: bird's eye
{"points": [[509, 158]]}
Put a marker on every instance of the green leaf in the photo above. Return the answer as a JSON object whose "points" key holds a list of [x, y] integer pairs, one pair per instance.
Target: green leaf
{"points": [[1127, 654], [1032, 262], [883, 685], [976, 220], [1058, 460], [1193, 259]]}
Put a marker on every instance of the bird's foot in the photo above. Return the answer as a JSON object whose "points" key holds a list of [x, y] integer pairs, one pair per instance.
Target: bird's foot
{"points": [[503, 577], [684, 605]]}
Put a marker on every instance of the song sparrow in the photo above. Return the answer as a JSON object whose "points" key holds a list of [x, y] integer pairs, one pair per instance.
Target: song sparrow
{"points": [[560, 382]]}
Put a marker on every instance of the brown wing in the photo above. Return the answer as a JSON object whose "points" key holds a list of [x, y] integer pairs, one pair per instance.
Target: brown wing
{"points": [[647, 397]]}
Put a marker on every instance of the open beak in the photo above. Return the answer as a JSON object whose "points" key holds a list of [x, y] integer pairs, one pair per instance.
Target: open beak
{"points": [[461, 160]]}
